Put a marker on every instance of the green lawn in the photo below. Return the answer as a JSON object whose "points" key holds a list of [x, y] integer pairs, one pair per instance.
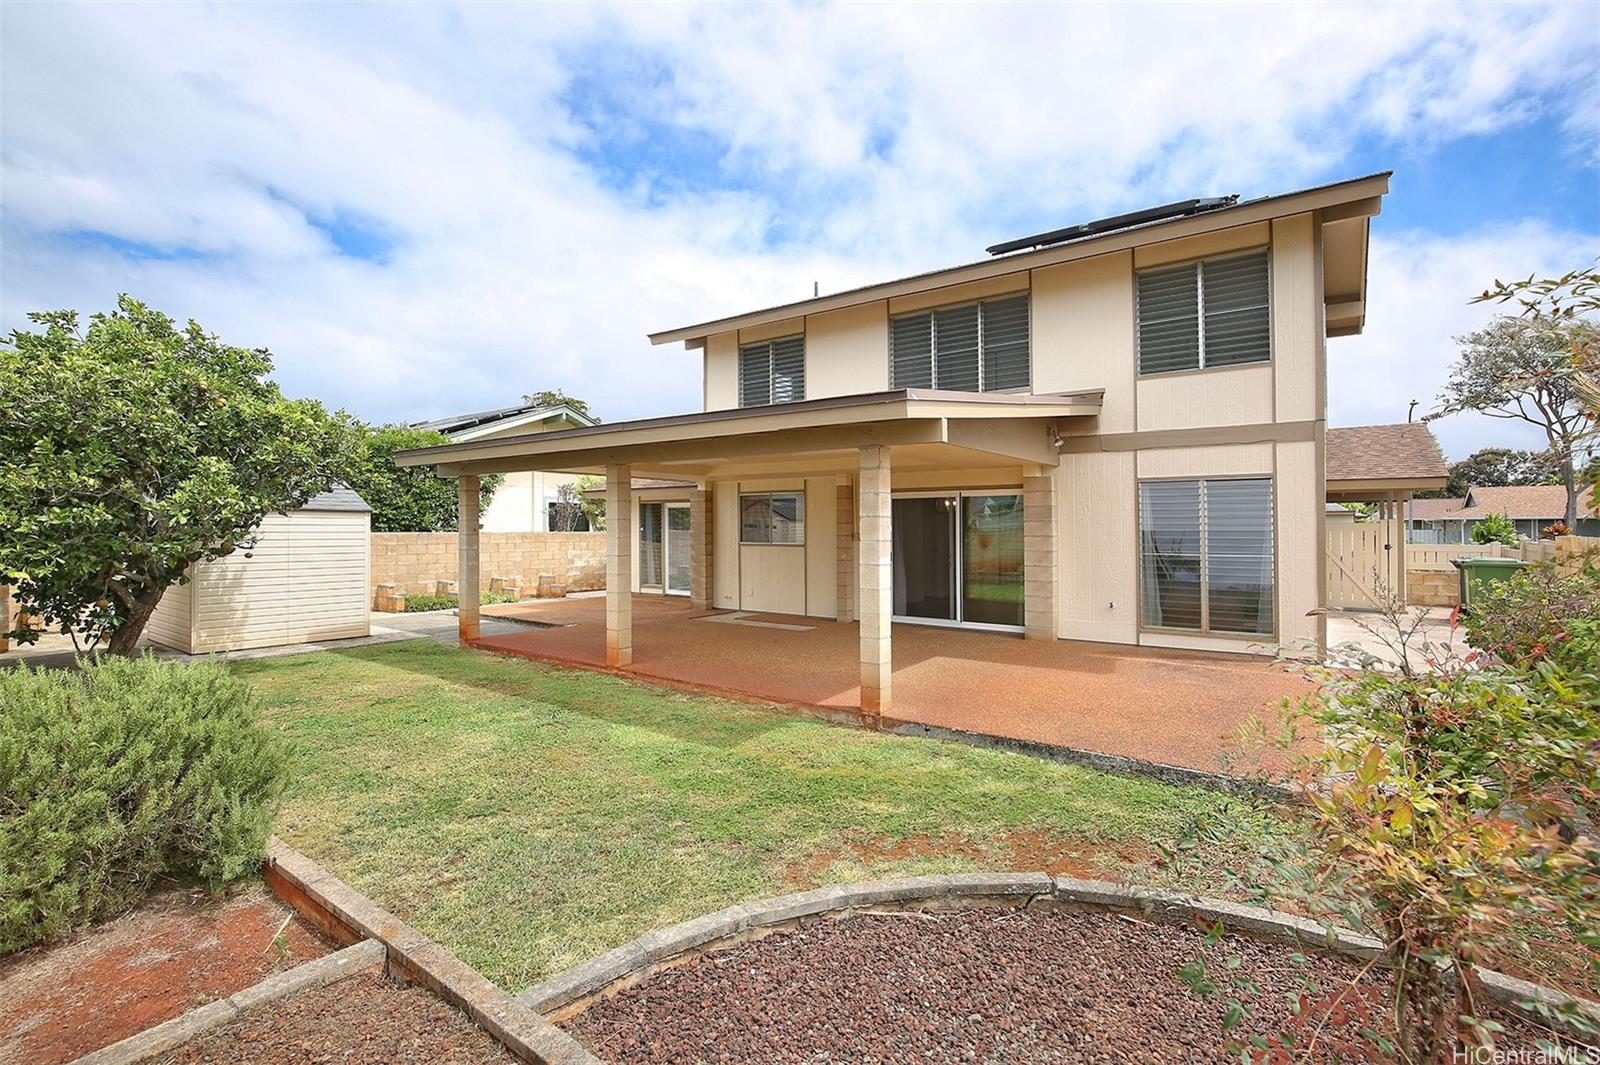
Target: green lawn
{"points": [[530, 817]]}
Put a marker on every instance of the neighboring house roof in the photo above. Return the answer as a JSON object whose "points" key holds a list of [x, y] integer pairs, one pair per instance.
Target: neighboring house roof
{"points": [[1548, 501], [639, 483], [1435, 509], [1347, 206], [339, 497], [467, 426], [1394, 455], [1542, 502]]}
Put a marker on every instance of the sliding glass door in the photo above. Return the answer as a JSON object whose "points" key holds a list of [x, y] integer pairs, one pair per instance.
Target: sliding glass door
{"points": [[677, 549], [664, 547], [924, 531], [958, 559], [991, 560]]}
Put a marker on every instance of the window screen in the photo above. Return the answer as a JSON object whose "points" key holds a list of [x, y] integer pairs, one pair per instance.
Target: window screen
{"points": [[772, 518], [1206, 555], [1215, 312], [969, 347], [772, 371]]}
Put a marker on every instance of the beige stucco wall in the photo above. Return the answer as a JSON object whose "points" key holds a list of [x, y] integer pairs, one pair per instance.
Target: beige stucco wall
{"points": [[1084, 336], [776, 578]]}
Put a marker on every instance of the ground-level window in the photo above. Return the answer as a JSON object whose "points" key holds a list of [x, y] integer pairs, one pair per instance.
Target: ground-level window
{"points": [[772, 518], [1206, 555]]}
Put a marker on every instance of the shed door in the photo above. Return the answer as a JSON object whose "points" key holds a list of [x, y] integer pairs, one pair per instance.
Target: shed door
{"points": [[1357, 564]]}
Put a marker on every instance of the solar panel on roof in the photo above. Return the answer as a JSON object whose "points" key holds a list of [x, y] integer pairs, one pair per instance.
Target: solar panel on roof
{"points": [[1120, 221]]}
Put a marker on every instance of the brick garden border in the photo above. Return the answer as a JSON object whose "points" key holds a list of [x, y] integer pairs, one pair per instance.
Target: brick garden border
{"points": [[170, 1035], [345, 914], [570, 992]]}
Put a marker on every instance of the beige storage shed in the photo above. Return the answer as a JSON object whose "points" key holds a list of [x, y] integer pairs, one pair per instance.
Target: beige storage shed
{"points": [[306, 579]]}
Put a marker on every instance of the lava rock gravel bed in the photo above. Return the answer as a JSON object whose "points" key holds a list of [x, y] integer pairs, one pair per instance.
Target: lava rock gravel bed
{"points": [[365, 1019], [986, 986]]}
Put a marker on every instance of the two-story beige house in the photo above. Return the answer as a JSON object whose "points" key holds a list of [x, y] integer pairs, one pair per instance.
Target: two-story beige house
{"points": [[1113, 432]]}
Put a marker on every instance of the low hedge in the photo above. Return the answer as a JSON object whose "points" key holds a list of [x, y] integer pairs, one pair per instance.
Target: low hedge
{"points": [[418, 603], [125, 771]]}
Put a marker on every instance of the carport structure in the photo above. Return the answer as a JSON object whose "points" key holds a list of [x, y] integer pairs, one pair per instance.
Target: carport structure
{"points": [[844, 449]]}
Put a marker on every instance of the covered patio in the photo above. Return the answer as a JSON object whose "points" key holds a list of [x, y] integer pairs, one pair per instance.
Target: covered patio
{"points": [[855, 449], [1172, 707]]}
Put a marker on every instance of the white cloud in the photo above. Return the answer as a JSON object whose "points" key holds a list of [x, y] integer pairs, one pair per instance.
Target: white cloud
{"points": [[1421, 285], [878, 139]]}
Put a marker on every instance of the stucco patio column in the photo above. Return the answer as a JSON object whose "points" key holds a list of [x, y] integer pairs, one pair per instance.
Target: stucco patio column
{"points": [[1039, 556], [700, 548], [467, 522], [875, 585], [619, 566]]}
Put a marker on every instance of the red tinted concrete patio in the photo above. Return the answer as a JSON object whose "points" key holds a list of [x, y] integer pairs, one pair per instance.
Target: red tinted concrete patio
{"points": [[1174, 707]]}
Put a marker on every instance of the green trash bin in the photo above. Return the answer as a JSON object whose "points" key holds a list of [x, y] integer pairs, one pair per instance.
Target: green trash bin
{"points": [[1479, 573]]}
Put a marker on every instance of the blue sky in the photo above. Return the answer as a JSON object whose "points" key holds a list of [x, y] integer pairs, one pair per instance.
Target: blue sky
{"points": [[433, 208]]}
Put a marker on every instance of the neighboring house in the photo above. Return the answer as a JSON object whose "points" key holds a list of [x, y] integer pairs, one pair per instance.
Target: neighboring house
{"points": [[526, 501], [1531, 507], [1112, 432]]}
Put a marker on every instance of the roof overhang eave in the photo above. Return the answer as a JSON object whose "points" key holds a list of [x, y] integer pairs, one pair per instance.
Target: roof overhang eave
{"points": [[1358, 198], [1003, 425]]}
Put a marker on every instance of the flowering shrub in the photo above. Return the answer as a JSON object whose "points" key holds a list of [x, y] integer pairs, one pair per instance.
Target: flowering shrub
{"points": [[1440, 813]]}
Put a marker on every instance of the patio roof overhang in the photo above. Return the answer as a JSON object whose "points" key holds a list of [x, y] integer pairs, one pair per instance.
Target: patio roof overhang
{"points": [[927, 427], [1367, 490]]}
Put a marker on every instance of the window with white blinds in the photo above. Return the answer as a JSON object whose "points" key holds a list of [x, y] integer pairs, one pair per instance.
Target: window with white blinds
{"points": [[1206, 555], [772, 371], [1214, 312], [970, 347]]}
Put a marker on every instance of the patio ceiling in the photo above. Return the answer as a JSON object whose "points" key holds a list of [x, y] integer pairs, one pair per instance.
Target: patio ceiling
{"points": [[927, 428]]}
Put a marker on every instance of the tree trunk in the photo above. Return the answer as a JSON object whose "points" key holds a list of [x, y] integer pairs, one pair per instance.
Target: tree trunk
{"points": [[1426, 1009], [125, 638], [1570, 480]]}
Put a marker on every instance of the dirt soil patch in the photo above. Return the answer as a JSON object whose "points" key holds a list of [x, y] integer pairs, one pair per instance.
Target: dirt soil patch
{"points": [[987, 986], [362, 1020], [178, 950], [1034, 849]]}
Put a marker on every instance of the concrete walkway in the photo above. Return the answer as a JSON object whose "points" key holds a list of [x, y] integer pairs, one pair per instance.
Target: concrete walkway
{"points": [[1174, 707]]}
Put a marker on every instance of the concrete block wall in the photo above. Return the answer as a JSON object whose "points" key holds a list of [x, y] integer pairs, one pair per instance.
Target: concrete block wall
{"points": [[1431, 587], [413, 562]]}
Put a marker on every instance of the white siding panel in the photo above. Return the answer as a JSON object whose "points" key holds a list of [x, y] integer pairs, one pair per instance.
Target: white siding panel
{"points": [[306, 578], [1297, 327], [1238, 395], [1097, 531], [822, 536], [239, 598], [725, 545], [772, 578], [1300, 504], [169, 626]]}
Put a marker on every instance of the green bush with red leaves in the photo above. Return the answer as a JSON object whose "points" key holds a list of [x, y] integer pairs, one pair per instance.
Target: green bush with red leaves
{"points": [[1544, 625]]}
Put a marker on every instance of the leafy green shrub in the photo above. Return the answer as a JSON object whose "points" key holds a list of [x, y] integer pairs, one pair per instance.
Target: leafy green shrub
{"points": [[1543, 623], [128, 770], [1496, 529], [418, 603]]}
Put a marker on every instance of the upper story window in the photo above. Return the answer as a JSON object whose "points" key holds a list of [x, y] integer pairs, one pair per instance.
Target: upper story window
{"points": [[772, 371], [1214, 312], [971, 347]]}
